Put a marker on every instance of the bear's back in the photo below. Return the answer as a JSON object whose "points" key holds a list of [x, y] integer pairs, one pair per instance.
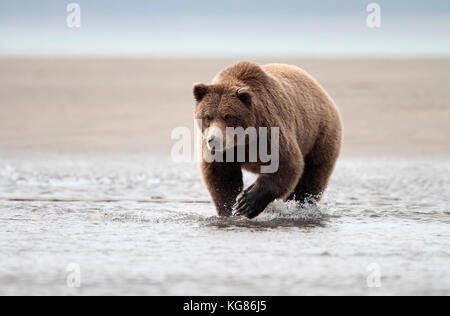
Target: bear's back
{"points": [[301, 87], [306, 104]]}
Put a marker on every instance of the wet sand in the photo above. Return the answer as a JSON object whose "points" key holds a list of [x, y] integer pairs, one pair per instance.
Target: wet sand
{"points": [[389, 107]]}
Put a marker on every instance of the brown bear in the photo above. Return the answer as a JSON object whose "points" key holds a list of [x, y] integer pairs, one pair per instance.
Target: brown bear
{"points": [[274, 95]]}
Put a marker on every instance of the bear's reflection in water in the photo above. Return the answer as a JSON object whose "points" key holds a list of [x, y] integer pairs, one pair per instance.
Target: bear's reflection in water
{"points": [[277, 215]]}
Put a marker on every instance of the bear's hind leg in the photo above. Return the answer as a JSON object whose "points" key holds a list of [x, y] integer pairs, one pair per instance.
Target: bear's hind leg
{"points": [[313, 181]]}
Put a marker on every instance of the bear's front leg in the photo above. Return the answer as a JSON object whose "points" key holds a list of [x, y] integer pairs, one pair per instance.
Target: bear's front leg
{"points": [[268, 187], [253, 200], [224, 182]]}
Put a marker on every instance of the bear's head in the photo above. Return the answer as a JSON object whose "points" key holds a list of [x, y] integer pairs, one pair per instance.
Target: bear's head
{"points": [[222, 110]]}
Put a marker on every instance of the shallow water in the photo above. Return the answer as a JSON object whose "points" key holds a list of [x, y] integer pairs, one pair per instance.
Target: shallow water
{"points": [[135, 225]]}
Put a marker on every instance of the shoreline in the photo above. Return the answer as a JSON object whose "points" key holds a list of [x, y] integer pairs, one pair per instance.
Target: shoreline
{"points": [[390, 107]]}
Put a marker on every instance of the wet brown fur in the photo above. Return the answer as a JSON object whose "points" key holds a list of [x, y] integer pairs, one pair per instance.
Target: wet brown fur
{"points": [[282, 96]]}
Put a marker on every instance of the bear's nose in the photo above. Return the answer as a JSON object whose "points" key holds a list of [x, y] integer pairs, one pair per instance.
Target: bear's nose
{"points": [[213, 142]]}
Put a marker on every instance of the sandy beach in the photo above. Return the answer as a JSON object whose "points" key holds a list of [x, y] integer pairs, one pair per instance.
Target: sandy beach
{"points": [[389, 107]]}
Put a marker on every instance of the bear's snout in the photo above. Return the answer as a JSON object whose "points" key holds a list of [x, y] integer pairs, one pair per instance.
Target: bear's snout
{"points": [[214, 142], [214, 138]]}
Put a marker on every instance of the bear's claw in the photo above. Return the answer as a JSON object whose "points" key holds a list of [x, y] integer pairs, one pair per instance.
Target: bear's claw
{"points": [[249, 203]]}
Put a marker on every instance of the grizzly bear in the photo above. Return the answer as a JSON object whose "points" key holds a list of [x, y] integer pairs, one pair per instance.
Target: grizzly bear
{"points": [[274, 95]]}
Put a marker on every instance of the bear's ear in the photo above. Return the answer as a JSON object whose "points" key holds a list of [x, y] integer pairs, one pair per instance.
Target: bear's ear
{"points": [[199, 90], [245, 96]]}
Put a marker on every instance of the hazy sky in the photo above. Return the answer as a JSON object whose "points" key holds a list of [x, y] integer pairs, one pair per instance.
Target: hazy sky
{"points": [[224, 28]]}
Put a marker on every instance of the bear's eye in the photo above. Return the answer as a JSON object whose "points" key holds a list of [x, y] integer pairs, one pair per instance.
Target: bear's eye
{"points": [[208, 118], [227, 118]]}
